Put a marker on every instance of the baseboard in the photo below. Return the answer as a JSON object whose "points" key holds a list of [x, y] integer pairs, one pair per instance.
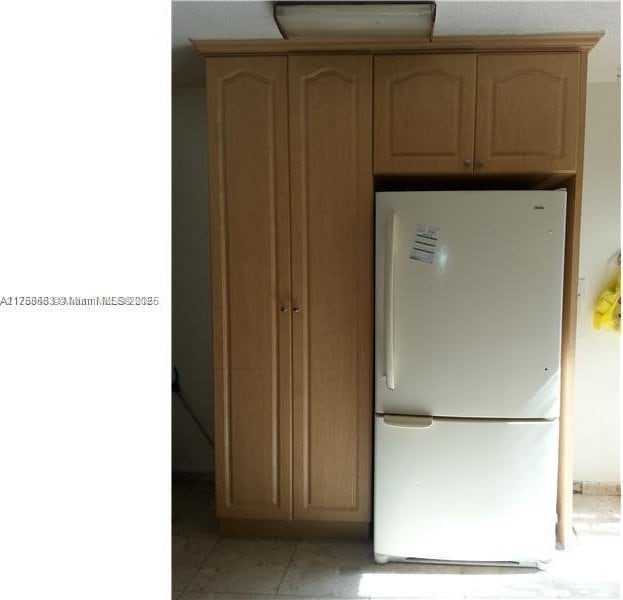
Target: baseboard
{"points": [[589, 488], [596, 488], [340, 530]]}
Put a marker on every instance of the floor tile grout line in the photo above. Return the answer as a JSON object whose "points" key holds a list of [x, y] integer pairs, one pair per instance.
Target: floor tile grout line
{"points": [[296, 547], [187, 494], [201, 565], [600, 512]]}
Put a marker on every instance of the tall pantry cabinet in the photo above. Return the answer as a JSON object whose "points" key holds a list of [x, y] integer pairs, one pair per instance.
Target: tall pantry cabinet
{"points": [[291, 224]]}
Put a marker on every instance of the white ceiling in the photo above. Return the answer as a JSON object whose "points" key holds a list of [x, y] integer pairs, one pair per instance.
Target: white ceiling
{"points": [[254, 20]]}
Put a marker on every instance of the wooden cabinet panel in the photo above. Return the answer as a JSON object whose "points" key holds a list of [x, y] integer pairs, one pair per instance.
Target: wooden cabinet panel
{"points": [[424, 108], [528, 112], [250, 259], [332, 282]]}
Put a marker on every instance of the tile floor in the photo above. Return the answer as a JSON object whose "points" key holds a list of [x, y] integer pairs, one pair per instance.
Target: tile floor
{"points": [[207, 567]]}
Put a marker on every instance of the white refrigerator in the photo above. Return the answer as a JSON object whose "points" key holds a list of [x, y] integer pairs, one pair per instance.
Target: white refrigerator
{"points": [[468, 326]]}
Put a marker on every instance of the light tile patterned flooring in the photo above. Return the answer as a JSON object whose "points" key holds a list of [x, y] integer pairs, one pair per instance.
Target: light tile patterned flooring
{"points": [[207, 567]]}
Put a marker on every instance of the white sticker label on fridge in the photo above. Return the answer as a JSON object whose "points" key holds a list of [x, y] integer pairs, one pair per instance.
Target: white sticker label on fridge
{"points": [[425, 243]]}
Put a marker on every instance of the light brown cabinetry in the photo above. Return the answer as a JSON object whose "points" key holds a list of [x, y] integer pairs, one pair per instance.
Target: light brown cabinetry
{"points": [[424, 108], [292, 285], [332, 282], [528, 113], [487, 113], [292, 126], [250, 260]]}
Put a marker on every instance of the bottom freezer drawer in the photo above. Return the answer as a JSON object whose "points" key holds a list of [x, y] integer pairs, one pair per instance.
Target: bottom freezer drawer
{"points": [[464, 490]]}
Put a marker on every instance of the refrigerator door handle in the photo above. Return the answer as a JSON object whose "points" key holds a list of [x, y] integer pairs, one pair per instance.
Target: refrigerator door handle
{"points": [[407, 421], [390, 379]]}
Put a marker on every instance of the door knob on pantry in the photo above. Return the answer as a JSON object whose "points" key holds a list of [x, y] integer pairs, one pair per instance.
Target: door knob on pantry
{"points": [[283, 308], [479, 163], [467, 163], [296, 308]]}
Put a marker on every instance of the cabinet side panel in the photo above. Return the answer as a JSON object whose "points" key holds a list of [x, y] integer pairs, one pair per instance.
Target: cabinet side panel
{"points": [[247, 130], [332, 203], [569, 327]]}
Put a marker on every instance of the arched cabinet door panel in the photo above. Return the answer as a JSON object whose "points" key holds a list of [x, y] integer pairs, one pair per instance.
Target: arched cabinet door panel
{"points": [[332, 285], [527, 113], [250, 261], [424, 108]]}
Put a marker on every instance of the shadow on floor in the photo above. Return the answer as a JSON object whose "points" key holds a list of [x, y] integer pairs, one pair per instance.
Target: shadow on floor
{"points": [[208, 567]]}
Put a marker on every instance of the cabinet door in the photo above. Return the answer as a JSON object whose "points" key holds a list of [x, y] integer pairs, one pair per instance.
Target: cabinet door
{"points": [[424, 110], [250, 247], [528, 113], [332, 283]]}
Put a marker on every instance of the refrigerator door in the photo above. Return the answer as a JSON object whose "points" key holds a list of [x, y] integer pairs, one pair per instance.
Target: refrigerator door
{"points": [[469, 303], [465, 490]]}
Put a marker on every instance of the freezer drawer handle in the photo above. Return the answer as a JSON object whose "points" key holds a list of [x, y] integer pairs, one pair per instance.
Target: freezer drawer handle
{"points": [[389, 303], [406, 421]]}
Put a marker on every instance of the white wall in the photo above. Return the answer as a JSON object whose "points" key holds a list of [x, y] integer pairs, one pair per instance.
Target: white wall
{"points": [[597, 360], [597, 392], [192, 328]]}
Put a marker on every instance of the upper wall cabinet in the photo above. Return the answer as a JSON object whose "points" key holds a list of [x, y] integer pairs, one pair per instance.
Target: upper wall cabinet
{"points": [[424, 113], [487, 113], [528, 112]]}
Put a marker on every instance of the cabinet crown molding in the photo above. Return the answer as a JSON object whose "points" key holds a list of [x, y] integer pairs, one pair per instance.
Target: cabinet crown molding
{"points": [[551, 42]]}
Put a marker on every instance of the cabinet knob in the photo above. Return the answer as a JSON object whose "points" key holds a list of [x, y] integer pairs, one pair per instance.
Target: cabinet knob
{"points": [[283, 308], [479, 163], [467, 163], [296, 308]]}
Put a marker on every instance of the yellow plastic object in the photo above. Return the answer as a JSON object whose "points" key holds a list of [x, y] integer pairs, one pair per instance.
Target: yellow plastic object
{"points": [[607, 313]]}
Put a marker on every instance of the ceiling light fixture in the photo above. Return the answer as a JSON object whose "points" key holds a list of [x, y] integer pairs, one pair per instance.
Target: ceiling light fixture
{"points": [[355, 19]]}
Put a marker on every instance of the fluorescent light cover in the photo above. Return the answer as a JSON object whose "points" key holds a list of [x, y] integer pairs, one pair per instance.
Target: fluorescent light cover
{"points": [[400, 20]]}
